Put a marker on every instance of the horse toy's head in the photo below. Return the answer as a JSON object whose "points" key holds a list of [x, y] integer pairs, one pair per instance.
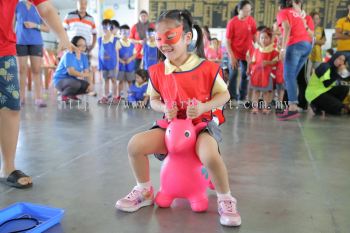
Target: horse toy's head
{"points": [[181, 134]]}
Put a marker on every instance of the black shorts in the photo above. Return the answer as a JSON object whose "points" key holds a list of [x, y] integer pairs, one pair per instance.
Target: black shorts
{"points": [[29, 50]]}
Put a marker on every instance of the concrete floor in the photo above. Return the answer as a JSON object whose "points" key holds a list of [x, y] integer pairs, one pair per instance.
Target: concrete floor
{"points": [[287, 176]]}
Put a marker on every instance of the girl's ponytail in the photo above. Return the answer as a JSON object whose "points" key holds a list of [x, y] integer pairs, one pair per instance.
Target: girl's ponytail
{"points": [[199, 42]]}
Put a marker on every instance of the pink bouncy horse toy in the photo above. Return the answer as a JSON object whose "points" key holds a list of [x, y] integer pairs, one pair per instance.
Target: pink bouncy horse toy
{"points": [[182, 174]]}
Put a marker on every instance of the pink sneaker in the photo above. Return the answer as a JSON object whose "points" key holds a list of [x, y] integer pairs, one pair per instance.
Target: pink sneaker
{"points": [[103, 100], [40, 103], [136, 199], [229, 216]]}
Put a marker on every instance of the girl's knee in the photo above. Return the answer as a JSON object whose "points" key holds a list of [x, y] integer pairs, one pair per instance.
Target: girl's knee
{"points": [[134, 144], [210, 159]]}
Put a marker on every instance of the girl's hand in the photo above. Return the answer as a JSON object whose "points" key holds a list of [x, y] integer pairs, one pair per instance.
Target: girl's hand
{"points": [[170, 113], [128, 60], [282, 54], [195, 110], [266, 63], [29, 24]]}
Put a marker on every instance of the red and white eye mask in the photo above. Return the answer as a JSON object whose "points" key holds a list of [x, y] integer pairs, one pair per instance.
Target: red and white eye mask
{"points": [[169, 37]]}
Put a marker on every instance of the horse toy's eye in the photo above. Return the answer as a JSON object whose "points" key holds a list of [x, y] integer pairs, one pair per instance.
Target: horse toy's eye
{"points": [[187, 134], [169, 131]]}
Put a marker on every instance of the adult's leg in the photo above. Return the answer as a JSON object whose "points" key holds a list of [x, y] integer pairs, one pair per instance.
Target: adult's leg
{"points": [[302, 84], [68, 86], [9, 117], [332, 101], [339, 92], [232, 82], [243, 88], [295, 58], [9, 129], [35, 65], [22, 68]]}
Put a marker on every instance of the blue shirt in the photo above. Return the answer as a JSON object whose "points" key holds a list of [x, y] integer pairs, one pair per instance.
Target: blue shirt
{"points": [[136, 92], [27, 36], [70, 60], [150, 56], [107, 54], [125, 53]]}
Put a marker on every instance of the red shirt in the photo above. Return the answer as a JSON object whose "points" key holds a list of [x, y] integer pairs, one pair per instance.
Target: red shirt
{"points": [[135, 35], [298, 31], [260, 75], [311, 25], [7, 35], [241, 33], [183, 86]]}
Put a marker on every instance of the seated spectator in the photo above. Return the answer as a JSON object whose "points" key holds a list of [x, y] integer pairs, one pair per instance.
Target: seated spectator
{"points": [[72, 76], [324, 91], [213, 52], [137, 90]]}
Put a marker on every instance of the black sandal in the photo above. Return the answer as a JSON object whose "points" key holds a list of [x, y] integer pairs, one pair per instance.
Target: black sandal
{"points": [[12, 180]]}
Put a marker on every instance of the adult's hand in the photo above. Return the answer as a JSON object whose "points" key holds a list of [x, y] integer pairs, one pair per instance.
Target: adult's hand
{"points": [[234, 63]]}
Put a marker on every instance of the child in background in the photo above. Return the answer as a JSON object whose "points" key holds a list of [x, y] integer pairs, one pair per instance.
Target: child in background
{"points": [[149, 51], [329, 54], [315, 58], [213, 51], [263, 59], [137, 90], [181, 76], [108, 61], [127, 55], [277, 72], [115, 28]]}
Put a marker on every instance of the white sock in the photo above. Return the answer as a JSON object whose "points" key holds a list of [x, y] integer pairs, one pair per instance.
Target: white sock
{"points": [[146, 185], [224, 195]]}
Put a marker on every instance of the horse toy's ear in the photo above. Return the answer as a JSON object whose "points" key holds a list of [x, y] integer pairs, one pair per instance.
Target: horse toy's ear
{"points": [[163, 123], [200, 126]]}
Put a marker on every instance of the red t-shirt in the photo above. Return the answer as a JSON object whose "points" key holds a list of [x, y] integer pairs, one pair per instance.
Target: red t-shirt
{"points": [[241, 33], [135, 35], [310, 24], [298, 31], [7, 35]]}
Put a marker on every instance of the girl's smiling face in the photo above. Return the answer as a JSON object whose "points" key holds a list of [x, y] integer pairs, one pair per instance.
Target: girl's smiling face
{"points": [[172, 48]]}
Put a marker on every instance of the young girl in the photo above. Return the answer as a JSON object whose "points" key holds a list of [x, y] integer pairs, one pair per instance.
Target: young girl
{"points": [[263, 60], [181, 76], [213, 52], [137, 90]]}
